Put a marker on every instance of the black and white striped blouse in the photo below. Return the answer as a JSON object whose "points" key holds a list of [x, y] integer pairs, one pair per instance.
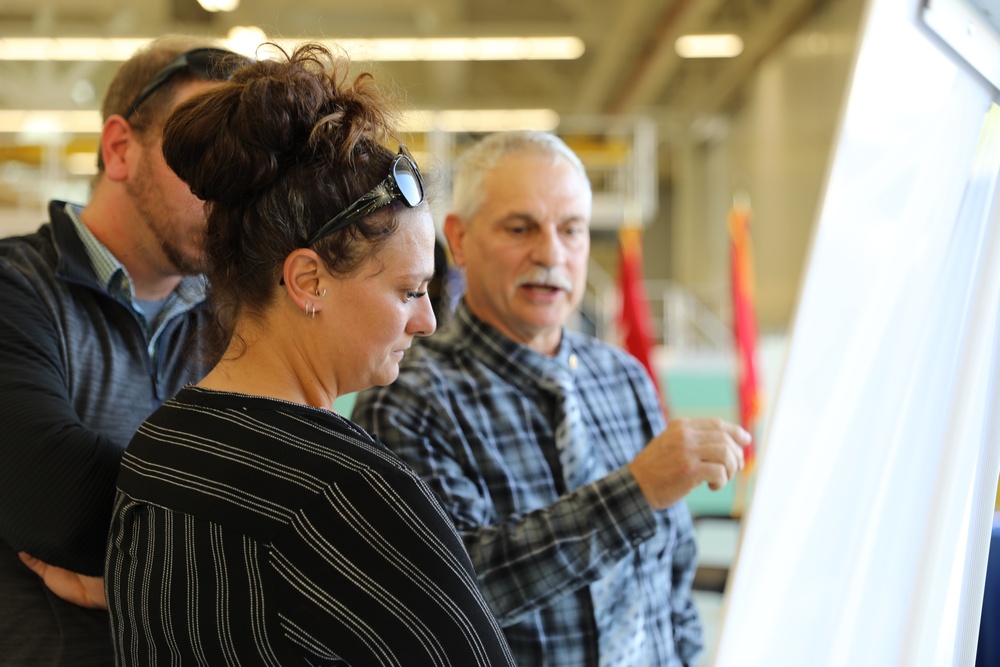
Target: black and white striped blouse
{"points": [[251, 531]]}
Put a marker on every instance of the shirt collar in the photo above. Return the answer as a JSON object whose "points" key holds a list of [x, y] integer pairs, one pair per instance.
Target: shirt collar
{"points": [[105, 264], [113, 276], [505, 355]]}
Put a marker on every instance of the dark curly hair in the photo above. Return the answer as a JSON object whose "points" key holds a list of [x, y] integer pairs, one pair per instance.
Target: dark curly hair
{"points": [[275, 152]]}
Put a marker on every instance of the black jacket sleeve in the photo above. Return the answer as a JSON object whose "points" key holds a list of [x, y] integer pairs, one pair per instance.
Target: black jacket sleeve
{"points": [[56, 475]]}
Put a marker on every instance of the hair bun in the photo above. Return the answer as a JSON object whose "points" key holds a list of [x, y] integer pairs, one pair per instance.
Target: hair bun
{"points": [[204, 146], [233, 141]]}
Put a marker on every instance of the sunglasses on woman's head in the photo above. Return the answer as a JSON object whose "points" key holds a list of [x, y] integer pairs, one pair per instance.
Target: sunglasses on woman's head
{"points": [[403, 182], [209, 64]]}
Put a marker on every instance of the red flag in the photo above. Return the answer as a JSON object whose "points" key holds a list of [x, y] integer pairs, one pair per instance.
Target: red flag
{"points": [[634, 320], [744, 323]]}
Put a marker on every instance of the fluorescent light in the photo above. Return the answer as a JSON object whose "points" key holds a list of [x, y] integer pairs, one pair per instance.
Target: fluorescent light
{"points": [[481, 120], [708, 46], [245, 39], [459, 48], [219, 5], [69, 48], [48, 122], [51, 123]]}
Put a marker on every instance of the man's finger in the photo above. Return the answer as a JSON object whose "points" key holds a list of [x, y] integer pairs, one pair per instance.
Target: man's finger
{"points": [[708, 424], [721, 450], [714, 474]]}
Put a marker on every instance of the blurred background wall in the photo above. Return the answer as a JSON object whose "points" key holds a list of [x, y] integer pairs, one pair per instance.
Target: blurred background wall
{"points": [[760, 122]]}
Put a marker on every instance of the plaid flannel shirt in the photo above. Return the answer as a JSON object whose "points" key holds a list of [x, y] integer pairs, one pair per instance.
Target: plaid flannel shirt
{"points": [[469, 414]]}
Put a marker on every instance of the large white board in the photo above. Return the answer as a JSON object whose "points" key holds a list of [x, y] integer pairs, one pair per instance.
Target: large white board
{"points": [[866, 537]]}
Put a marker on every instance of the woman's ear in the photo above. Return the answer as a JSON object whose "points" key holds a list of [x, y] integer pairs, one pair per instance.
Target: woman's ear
{"points": [[115, 139], [303, 273]]}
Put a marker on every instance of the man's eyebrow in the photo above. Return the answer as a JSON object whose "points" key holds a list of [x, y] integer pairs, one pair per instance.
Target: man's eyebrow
{"points": [[524, 216], [518, 215]]}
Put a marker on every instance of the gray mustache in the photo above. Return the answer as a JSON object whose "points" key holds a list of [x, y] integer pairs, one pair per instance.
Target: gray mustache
{"points": [[546, 277]]}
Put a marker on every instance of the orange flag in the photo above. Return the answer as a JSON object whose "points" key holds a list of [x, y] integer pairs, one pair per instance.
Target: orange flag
{"points": [[744, 323], [634, 320]]}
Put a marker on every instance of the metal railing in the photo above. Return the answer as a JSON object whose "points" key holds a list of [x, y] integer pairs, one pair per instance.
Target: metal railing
{"points": [[681, 321]]}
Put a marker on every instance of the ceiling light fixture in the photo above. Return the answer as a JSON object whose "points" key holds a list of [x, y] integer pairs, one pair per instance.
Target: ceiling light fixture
{"points": [[219, 5], [709, 46], [52, 121], [480, 120], [60, 122], [398, 49], [68, 48]]}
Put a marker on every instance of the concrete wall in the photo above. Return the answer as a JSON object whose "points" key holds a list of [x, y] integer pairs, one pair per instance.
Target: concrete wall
{"points": [[774, 145]]}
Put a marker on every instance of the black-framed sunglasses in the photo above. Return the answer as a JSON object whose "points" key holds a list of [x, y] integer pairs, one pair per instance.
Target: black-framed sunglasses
{"points": [[403, 182], [207, 63]]}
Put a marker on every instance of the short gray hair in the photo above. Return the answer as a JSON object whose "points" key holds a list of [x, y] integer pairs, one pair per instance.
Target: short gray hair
{"points": [[473, 164]]}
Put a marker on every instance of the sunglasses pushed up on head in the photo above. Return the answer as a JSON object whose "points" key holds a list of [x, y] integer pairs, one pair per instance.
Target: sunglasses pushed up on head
{"points": [[208, 64], [402, 182]]}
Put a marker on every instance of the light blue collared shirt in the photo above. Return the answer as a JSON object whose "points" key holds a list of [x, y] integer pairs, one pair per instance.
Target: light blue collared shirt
{"points": [[113, 275]]}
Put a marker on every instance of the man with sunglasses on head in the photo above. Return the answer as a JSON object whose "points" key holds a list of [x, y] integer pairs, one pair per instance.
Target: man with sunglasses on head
{"points": [[547, 447], [97, 314]]}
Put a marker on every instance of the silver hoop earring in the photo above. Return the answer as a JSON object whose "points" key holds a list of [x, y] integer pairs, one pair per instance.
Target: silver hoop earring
{"points": [[310, 309], [318, 293]]}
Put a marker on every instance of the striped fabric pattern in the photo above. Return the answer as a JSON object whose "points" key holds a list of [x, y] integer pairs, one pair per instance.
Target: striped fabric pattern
{"points": [[251, 531]]}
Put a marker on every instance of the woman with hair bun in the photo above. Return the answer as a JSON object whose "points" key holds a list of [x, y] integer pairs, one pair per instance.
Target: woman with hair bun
{"points": [[253, 525]]}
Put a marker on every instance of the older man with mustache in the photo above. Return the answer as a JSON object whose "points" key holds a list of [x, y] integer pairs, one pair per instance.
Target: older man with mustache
{"points": [[548, 447]]}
